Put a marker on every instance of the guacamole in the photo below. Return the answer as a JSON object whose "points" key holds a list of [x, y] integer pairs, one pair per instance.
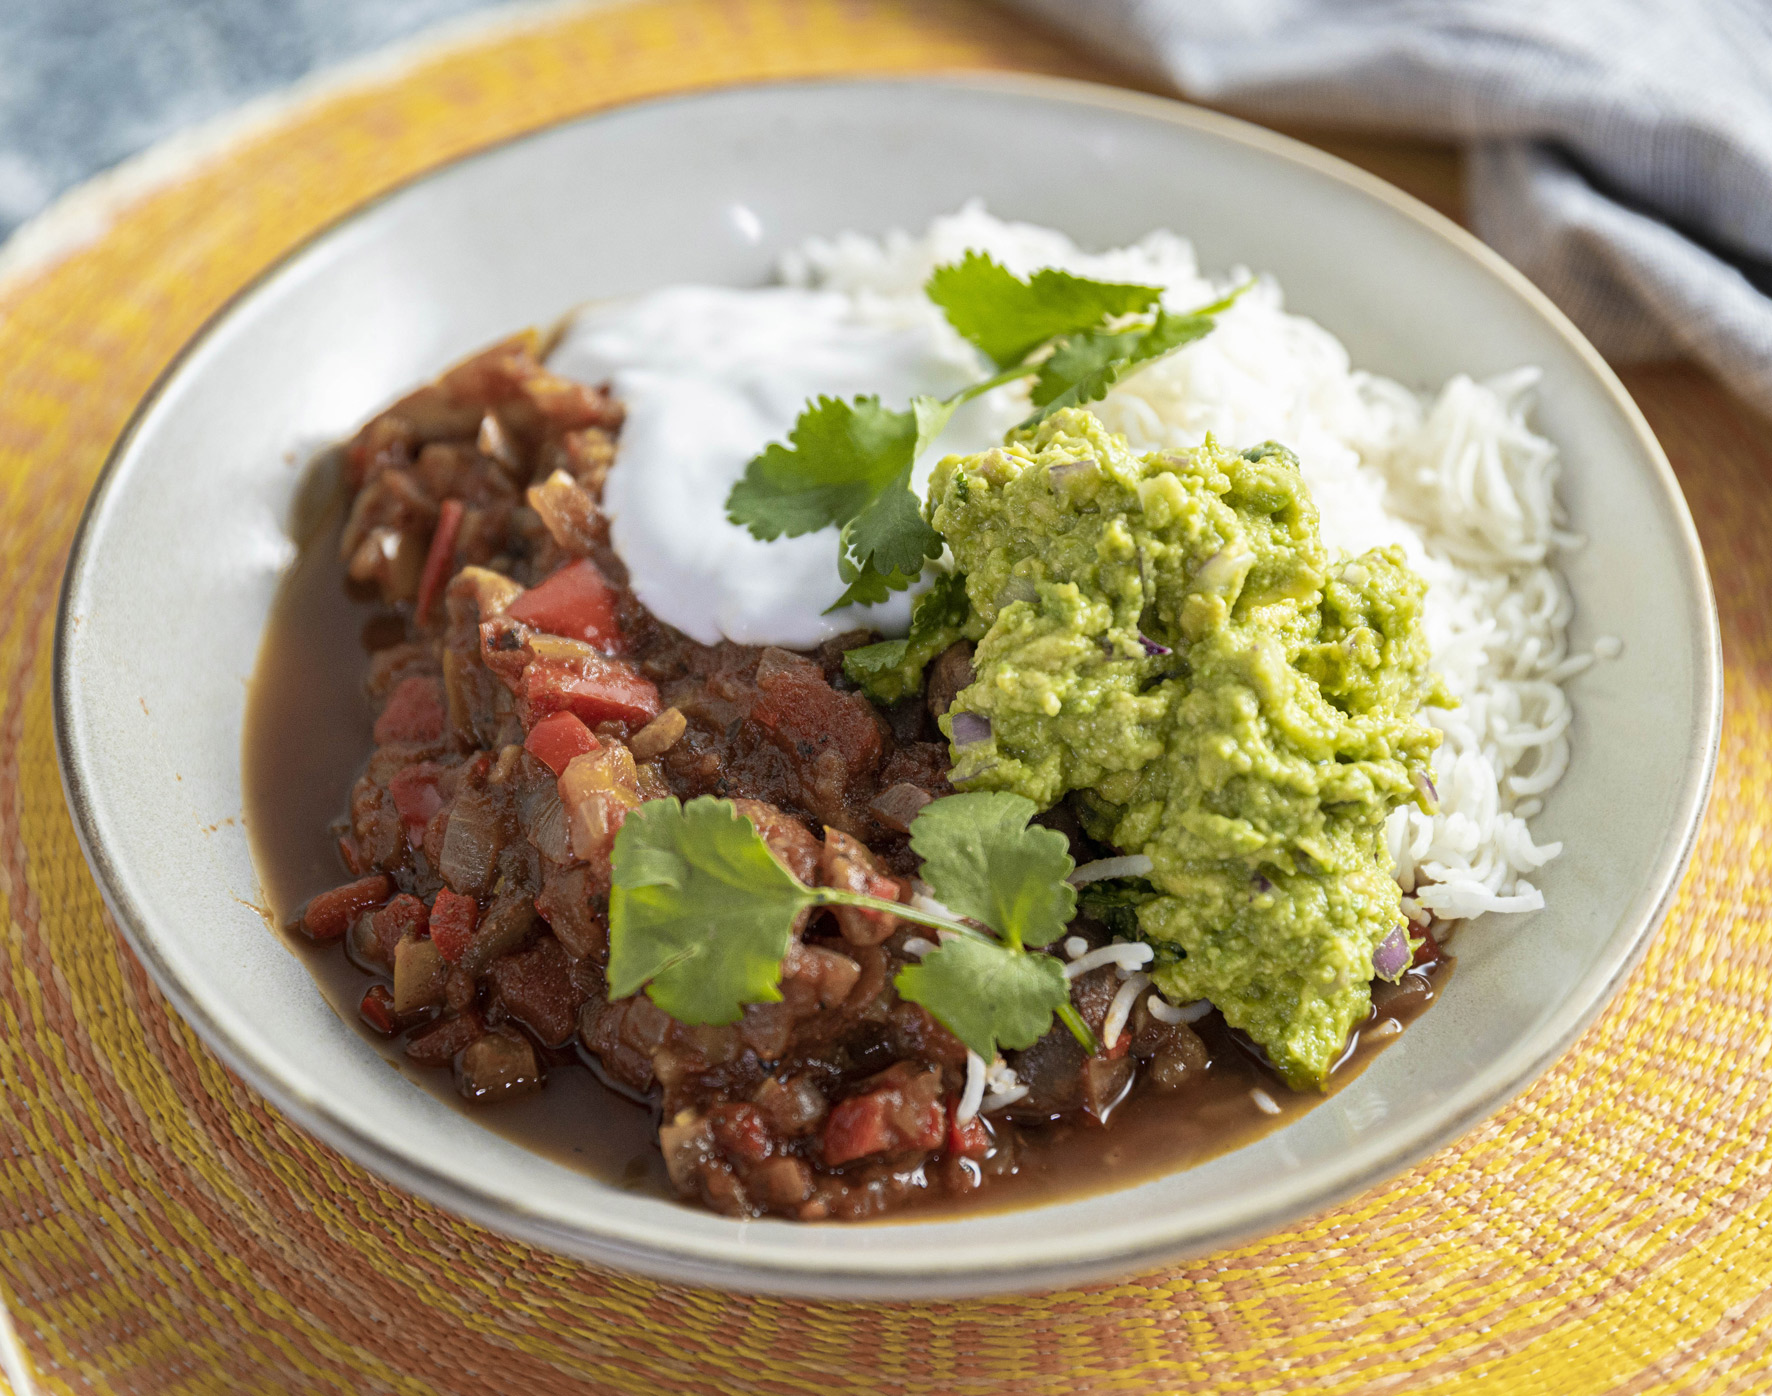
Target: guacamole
{"points": [[1166, 637]]}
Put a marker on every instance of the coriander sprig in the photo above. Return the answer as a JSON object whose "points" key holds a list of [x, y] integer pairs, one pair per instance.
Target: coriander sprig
{"points": [[850, 463], [701, 915]]}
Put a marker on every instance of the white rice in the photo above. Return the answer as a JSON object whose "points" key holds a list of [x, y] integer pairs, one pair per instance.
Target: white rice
{"points": [[1458, 478]]}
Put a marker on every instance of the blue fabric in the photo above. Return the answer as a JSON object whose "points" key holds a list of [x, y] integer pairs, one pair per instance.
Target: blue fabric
{"points": [[86, 83], [1620, 151]]}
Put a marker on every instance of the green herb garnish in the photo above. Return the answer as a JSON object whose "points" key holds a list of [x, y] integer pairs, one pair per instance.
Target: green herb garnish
{"points": [[1115, 904], [1009, 318], [701, 915], [849, 463], [893, 669]]}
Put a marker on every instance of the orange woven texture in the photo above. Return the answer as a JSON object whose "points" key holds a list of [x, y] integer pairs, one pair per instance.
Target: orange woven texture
{"points": [[165, 1231]]}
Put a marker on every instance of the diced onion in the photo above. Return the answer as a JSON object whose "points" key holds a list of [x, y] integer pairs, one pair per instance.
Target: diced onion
{"points": [[566, 510], [1225, 569], [971, 729], [1392, 955], [547, 827], [898, 805], [919, 946], [470, 843]]}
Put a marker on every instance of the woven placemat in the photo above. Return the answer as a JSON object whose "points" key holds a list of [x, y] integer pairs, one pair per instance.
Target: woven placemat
{"points": [[165, 1231]]}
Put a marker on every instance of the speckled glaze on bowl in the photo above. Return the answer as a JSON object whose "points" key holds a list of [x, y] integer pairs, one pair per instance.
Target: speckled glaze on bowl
{"points": [[184, 540]]}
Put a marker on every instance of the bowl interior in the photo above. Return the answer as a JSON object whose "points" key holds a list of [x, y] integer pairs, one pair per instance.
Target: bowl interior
{"points": [[181, 554]]}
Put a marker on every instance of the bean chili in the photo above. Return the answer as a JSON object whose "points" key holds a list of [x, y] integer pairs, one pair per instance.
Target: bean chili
{"points": [[526, 702]]}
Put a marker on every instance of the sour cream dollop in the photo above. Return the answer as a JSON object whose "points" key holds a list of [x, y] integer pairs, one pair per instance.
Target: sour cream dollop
{"points": [[710, 376]]}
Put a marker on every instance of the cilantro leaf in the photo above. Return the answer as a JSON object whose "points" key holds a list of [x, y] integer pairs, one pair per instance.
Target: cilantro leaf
{"points": [[890, 536], [986, 862], [1082, 368], [1115, 903], [988, 994], [840, 456], [1009, 318], [701, 913], [893, 669], [701, 916], [848, 464]]}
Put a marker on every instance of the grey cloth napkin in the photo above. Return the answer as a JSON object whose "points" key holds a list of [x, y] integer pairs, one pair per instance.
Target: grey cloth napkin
{"points": [[1620, 151]]}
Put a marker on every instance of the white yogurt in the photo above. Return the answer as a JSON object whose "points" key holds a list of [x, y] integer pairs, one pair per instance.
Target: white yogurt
{"points": [[712, 375]]}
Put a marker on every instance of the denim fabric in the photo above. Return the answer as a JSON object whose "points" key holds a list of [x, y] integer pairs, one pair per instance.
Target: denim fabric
{"points": [[86, 83]]}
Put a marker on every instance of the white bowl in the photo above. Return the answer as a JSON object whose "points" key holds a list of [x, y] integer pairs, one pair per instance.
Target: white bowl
{"points": [[184, 540]]}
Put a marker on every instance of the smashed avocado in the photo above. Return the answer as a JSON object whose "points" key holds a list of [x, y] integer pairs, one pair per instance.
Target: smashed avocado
{"points": [[1165, 636]]}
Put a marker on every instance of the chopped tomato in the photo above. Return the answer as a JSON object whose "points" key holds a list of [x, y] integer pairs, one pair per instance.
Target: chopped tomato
{"points": [[377, 1009], [440, 559], [453, 919], [557, 738], [969, 1140], [857, 1128], [1429, 949], [577, 602], [806, 716], [597, 691], [405, 915], [891, 1120], [414, 713], [741, 1133], [329, 915], [417, 798]]}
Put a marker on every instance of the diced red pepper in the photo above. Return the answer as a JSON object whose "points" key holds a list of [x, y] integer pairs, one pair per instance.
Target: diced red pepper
{"points": [[417, 798], [440, 559], [577, 602], [557, 738], [596, 690], [377, 1009], [329, 915], [453, 919], [414, 713], [969, 1140]]}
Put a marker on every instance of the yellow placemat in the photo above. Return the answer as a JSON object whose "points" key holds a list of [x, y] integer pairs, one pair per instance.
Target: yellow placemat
{"points": [[165, 1231]]}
